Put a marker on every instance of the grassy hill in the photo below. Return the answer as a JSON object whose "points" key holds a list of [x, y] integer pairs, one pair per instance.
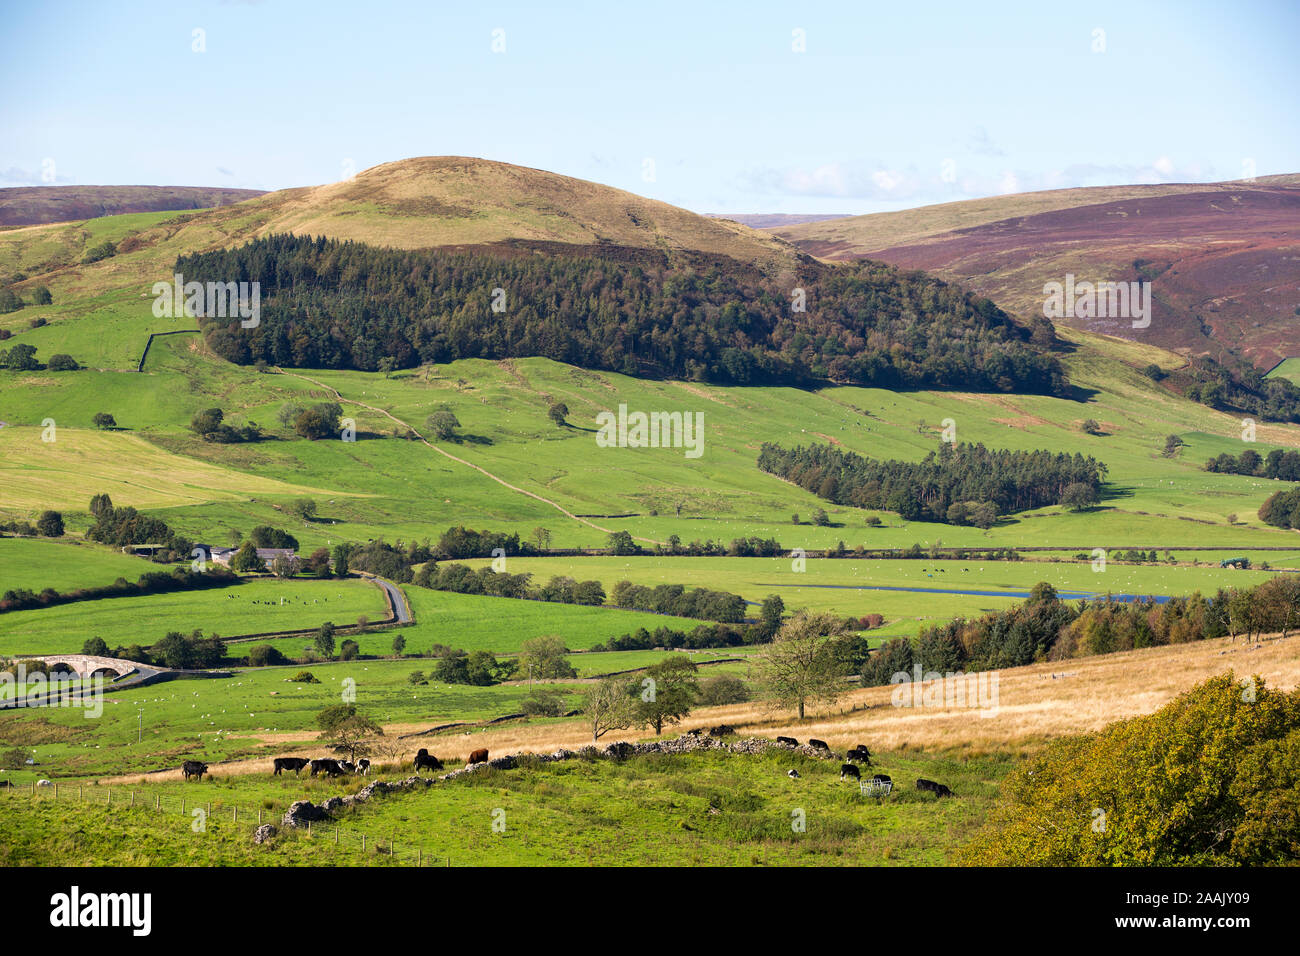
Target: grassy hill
{"points": [[1221, 256], [35, 205]]}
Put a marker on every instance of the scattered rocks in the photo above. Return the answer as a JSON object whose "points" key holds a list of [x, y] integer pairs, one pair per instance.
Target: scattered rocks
{"points": [[266, 831], [301, 812]]}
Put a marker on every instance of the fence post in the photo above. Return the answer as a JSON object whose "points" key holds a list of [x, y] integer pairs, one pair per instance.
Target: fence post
{"points": [[133, 798], [182, 806], [363, 841], [259, 816], [234, 814], [419, 856], [336, 836]]}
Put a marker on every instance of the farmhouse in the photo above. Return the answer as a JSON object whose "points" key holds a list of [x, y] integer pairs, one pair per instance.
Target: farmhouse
{"points": [[222, 556]]}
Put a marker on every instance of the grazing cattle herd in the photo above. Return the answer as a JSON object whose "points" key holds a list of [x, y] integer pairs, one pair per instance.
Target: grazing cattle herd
{"points": [[333, 767]]}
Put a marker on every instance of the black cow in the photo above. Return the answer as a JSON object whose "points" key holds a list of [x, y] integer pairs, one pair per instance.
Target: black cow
{"points": [[793, 774], [881, 778], [363, 766], [819, 744], [721, 730], [328, 766], [693, 733], [296, 764], [192, 768], [347, 766], [859, 753], [426, 761], [938, 789], [787, 740], [848, 770]]}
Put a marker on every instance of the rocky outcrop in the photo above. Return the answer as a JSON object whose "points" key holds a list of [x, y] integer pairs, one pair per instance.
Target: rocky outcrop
{"points": [[265, 832]]}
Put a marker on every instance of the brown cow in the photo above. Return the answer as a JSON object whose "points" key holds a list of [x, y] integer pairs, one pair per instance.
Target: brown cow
{"points": [[478, 756]]}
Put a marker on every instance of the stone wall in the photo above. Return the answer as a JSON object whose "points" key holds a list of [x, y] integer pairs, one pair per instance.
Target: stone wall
{"points": [[304, 811]]}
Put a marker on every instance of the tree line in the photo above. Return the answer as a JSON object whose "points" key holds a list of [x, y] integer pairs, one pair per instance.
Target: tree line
{"points": [[1284, 465], [1234, 385], [1043, 627], [331, 304], [958, 484]]}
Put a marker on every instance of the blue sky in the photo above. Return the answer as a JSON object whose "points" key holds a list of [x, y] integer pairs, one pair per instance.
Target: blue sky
{"points": [[890, 105]]}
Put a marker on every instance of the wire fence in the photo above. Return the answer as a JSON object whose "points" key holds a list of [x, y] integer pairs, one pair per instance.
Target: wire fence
{"points": [[326, 832]]}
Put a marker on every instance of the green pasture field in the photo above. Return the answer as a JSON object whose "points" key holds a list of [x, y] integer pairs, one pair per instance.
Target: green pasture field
{"points": [[501, 625], [252, 606], [692, 809], [828, 584], [64, 564], [225, 718], [384, 486], [1289, 368]]}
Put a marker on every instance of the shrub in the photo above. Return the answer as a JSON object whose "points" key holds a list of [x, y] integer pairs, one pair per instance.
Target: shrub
{"points": [[264, 655], [543, 703], [723, 689], [304, 677]]}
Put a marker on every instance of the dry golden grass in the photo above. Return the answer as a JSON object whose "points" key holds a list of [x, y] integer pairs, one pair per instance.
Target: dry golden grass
{"points": [[1035, 703]]}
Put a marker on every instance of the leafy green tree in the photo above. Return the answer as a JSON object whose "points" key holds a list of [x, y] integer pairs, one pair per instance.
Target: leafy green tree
{"points": [[304, 508], [207, 422], [723, 689], [62, 362], [264, 655], [621, 543], [341, 555], [559, 413], [50, 524], [246, 559], [802, 664], [399, 645], [543, 658], [104, 420], [443, 423], [1079, 496], [985, 515], [611, 704], [1210, 779], [95, 647], [325, 639], [319, 421], [344, 727], [771, 613], [668, 691]]}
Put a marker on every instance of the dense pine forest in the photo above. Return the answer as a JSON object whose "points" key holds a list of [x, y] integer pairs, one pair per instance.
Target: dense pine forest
{"points": [[330, 304], [958, 484]]}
